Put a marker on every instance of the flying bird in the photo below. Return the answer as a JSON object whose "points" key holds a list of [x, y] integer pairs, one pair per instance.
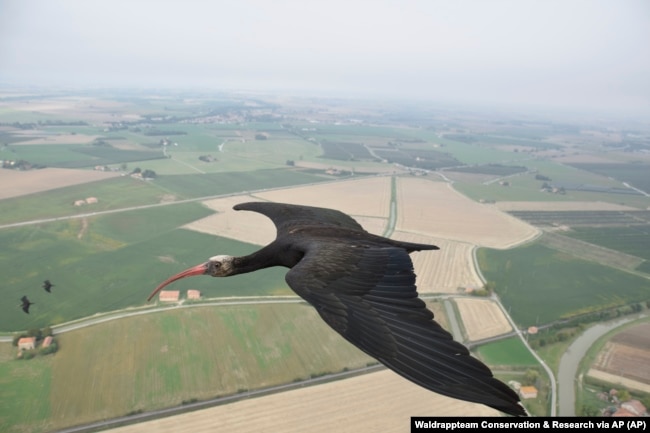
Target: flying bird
{"points": [[25, 304], [48, 286], [363, 286]]}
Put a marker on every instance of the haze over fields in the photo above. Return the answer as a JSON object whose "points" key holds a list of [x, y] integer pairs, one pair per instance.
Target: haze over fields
{"points": [[577, 54]]}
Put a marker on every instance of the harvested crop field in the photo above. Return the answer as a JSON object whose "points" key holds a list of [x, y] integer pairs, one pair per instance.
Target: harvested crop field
{"points": [[362, 197], [252, 227], [436, 209], [444, 270], [366, 200], [375, 402], [14, 183], [243, 226], [482, 318]]}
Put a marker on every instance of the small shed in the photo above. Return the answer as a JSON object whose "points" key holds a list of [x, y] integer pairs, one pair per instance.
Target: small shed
{"points": [[528, 392], [193, 294], [169, 295]]}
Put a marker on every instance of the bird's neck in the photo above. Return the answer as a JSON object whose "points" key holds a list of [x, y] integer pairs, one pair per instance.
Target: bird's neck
{"points": [[261, 259]]}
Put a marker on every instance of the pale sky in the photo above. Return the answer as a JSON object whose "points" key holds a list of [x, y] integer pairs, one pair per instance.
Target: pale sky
{"points": [[556, 53]]}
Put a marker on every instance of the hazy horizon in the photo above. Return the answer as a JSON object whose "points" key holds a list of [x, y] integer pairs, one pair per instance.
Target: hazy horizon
{"points": [[572, 55]]}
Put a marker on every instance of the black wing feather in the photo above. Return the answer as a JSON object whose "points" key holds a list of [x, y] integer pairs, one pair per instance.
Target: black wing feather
{"points": [[368, 295], [288, 216]]}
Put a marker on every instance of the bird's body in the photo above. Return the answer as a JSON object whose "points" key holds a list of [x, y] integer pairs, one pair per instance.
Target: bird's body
{"points": [[363, 286], [47, 285], [25, 303]]}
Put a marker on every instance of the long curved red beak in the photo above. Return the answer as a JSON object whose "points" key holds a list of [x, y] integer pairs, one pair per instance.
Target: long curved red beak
{"points": [[196, 270]]}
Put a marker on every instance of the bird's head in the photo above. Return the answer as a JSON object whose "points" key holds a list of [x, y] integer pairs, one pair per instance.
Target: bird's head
{"points": [[217, 266]]}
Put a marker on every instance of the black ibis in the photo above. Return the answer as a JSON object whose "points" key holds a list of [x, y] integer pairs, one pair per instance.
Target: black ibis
{"points": [[363, 286], [47, 285], [25, 304]]}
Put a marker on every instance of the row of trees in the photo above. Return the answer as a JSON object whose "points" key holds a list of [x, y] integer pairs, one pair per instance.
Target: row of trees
{"points": [[564, 330]]}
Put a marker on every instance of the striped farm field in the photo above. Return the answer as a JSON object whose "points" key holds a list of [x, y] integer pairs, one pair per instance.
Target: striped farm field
{"points": [[436, 209], [482, 318], [367, 200], [361, 197], [249, 227], [376, 402], [162, 359], [444, 270]]}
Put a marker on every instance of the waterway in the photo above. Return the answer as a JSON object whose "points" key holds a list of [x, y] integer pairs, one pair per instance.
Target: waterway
{"points": [[570, 361]]}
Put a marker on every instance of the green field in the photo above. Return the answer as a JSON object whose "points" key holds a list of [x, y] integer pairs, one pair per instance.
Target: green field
{"points": [[635, 173], [633, 240], [125, 191], [510, 352], [119, 259], [539, 285], [162, 359]]}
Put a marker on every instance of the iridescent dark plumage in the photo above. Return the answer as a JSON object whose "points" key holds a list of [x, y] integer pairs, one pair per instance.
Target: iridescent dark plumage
{"points": [[363, 286]]}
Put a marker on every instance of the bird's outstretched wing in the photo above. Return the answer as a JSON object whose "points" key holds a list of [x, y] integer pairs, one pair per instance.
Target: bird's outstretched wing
{"points": [[288, 216], [368, 295], [25, 304]]}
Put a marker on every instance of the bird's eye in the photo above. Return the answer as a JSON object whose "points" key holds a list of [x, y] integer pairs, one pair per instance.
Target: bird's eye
{"points": [[216, 264]]}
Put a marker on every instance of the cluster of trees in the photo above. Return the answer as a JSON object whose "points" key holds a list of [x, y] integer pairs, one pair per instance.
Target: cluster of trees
{"points": [[207, 158], [165, 133], [547, 187], [531, 378], [146, 174], [486, 290], [20, 164]]}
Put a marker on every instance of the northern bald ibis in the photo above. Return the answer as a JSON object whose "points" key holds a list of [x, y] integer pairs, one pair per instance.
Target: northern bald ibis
{"points": [[363, 286], [48, 286], [25, 304]]}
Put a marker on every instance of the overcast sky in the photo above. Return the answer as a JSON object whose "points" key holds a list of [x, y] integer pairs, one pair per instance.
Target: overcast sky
{"points": [[570, 53]]}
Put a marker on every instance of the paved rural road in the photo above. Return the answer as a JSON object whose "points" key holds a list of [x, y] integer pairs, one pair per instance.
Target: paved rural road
{"points": [[129, 312]]}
